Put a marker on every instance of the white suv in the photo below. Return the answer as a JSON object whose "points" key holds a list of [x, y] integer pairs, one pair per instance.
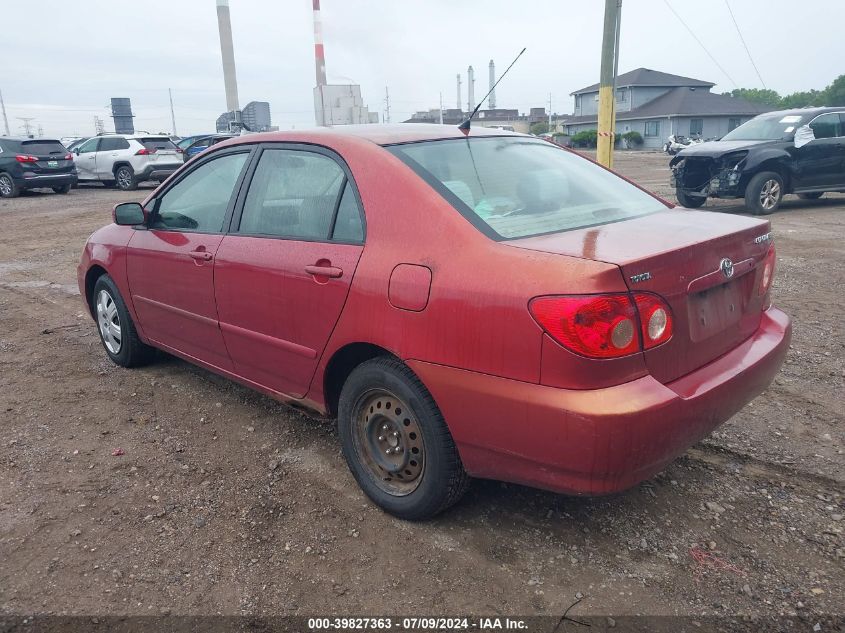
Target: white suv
{"points": [[126, 159]]}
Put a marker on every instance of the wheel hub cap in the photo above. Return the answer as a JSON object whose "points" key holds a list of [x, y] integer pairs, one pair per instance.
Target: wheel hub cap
{"points": [[5, 185], [389, 443], [770, 194], [109, 322]]}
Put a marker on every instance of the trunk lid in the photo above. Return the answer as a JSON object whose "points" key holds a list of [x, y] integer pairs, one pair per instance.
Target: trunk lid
{"points": [[678, 255]]}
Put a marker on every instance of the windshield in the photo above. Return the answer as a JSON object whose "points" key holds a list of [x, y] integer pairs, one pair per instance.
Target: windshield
{"points": [[766, 128], [517, 187], [161, 143]]}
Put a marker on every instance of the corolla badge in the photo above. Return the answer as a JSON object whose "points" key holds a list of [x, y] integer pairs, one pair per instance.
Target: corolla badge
{"points": [[727, 268]]}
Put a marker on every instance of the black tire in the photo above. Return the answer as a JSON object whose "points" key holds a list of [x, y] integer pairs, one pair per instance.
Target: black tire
{"points": [[8, 188], [62, 189], [131, 352], [441, 480], [691, 202], [760, 201], [125, 178], [811, 196]]}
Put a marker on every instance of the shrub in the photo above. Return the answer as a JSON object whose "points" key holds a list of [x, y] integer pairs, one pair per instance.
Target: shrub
{"points": [[587, 138], [634, 138]]}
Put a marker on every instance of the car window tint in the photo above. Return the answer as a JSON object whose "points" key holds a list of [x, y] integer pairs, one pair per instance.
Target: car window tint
{"points": [[348, 227], [515, 187], [162, 143], [198, 202], [43, 148], [113, 144], [292, 194], [89, 146], [826, 126]]}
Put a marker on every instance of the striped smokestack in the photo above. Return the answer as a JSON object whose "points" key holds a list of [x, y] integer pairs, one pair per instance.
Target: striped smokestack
{"points": [[319, 53], [227, 51]]}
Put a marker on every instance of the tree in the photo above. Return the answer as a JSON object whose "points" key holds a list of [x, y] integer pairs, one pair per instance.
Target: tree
{"points": [[835, 92], [803, 99], [763, 96], [540, 127]]}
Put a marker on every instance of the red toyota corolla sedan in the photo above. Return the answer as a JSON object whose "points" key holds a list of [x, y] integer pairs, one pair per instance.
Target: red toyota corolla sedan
{"points": [[483, 306]]}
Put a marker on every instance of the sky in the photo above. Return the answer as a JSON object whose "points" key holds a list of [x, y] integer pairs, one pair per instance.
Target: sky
{"points": [[67, 59]]}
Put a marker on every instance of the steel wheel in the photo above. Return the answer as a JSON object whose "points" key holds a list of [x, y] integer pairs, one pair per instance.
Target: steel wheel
{"points": [[770, 194], [109, 322], [124, 178], [5, 185], [388, 441]]}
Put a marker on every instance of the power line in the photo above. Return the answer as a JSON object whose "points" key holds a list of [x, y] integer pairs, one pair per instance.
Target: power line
{"points": [[700, 43], [742, 39]]}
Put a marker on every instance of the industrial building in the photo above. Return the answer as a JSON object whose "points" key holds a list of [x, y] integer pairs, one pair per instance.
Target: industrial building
{"points": [[255, 116]]}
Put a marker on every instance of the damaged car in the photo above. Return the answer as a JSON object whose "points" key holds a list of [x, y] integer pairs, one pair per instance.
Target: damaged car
{"points": [[786, 152]]}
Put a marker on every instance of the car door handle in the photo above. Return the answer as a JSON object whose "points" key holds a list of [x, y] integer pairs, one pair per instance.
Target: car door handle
{"points": [[324, 271], [201, 255]]}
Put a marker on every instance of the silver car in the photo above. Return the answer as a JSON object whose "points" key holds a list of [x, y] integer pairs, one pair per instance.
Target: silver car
{"points": [[124, 160]]}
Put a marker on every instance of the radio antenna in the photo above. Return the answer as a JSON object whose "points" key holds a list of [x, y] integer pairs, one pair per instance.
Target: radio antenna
{"points": [[464, 127]]}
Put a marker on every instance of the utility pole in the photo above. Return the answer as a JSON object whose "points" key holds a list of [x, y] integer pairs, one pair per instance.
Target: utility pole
{"points": [[550, 113], [5, 120], [172, 114], [386, 105], [607, 81], [441, 108], [40, 131], [26, 126]]}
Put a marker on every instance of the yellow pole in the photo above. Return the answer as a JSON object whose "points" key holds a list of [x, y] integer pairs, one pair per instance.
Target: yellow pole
{"points": [[607, 99]]}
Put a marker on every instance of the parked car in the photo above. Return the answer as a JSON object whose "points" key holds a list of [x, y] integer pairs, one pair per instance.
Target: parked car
{"points": [[125, 160], [182, 143], [492, 306], [73, 144], [202, 143], [777, 153], [34, 163]]}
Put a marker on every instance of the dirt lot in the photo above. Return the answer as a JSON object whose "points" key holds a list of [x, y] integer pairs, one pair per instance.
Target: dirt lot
{"points": [[227, 502]]}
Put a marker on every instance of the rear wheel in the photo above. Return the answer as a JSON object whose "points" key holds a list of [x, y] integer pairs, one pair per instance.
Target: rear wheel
{"points": [[764, 193], [8, 188], [811, 196], [117, 331], [396, 442], [686, 200], [62, 189], [125, 178]]}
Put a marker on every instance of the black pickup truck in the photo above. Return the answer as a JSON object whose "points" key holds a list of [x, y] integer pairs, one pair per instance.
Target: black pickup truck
{"points": [[790, 151]]}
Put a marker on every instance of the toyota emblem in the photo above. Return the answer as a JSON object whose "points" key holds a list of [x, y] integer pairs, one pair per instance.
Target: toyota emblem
{"points": [[727, 268]]}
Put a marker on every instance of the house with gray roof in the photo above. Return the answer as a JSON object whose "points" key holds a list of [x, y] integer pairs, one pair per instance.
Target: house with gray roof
{"points": [[658, 104]]}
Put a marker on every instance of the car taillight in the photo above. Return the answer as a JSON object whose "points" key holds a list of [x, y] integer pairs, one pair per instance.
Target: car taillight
{"points": [[655, 319], [768, 271], [597, 326], [179, 150], [68, 156], [24, 158], [604, 326], [144, 151]]}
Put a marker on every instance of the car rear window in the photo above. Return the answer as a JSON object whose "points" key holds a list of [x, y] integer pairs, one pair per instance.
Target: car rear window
{"points": [[513, 187], [158, 143], [43, 148]]}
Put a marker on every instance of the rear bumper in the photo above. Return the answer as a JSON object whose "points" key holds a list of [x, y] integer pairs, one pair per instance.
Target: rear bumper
{"points": [[45, 180], [598, 441], [157, 172]]}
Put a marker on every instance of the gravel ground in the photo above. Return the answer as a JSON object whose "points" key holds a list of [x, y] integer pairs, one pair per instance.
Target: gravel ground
{"points": [[225, 502]]}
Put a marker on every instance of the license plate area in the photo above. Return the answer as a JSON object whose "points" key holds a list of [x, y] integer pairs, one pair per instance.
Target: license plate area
{"points": [[716, 309]]}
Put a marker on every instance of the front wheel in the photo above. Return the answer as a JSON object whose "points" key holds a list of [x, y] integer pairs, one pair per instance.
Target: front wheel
{"points": [[764, 193], [117, 331], [125, 178], [396, 442], [811, 196], [688, 201]]}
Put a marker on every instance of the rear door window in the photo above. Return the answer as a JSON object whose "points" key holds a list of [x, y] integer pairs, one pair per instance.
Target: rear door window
{"points": [[113, 144], [293, 194]]}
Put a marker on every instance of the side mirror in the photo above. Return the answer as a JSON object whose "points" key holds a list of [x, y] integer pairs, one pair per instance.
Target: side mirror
{"points": [[129, 214], [804, 135]]}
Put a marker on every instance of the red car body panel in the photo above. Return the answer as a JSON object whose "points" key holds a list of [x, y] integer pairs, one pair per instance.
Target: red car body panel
{"points": [[434, 291]]}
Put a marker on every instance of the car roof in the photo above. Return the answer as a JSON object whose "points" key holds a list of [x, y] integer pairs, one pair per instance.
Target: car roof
{"points": [[23, 139], [815, 110], [378, 133]]}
